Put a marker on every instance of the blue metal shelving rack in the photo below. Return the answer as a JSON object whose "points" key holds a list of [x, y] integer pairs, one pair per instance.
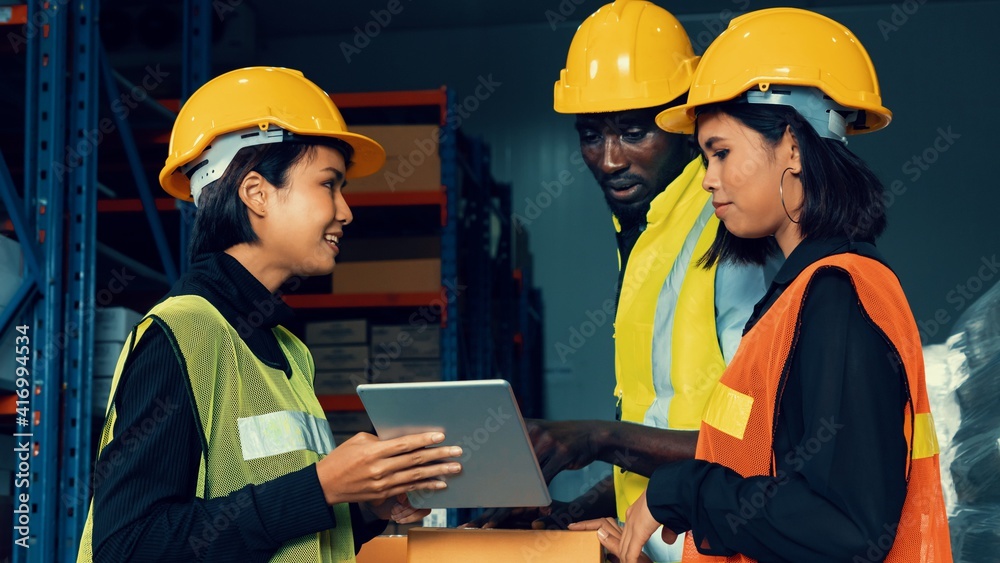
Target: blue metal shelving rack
{"points": [[81, 207], [197, 47], [55, 222], [45, 131]]}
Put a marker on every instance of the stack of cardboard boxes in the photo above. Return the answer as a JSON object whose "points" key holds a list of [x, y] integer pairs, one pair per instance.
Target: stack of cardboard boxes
{"points": [[112, 326], [340, 352], [406, 353], [345, 358], [409, 264]]}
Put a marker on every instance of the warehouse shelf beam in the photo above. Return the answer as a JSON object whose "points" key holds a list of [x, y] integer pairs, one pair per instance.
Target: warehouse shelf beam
{"points": [[138, 173], [148, 100], [362, 300], [196, 67], [14, 15], [45, 180], [139, 268], [78, 365]]}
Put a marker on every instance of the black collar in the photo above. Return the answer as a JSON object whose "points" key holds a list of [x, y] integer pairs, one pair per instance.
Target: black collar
{"points": [[235, 292], [807, 252]]}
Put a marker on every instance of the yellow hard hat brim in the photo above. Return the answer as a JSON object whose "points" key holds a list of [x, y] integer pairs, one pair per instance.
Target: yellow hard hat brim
{"points": [[368, 158], [681, 119]]}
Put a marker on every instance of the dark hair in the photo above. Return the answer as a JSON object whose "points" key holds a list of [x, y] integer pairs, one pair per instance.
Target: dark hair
{"points": [[222, 220], [841, 194]]}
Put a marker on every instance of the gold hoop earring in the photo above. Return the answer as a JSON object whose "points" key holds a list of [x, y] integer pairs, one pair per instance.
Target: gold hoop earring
{"points": [[781, 195]]}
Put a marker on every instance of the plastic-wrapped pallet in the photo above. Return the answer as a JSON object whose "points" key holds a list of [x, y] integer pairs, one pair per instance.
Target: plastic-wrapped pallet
{"points": [[963, 378]]}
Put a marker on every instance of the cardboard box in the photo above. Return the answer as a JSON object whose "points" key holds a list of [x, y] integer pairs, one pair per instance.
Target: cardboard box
{"points": [[405, 341], [400, 139], [388, 276], [340, 357], [442, 545], [339, 382], [412, 159], [349, 422], [106, 356], [112, 324], [404, 370], [384, 549], [353, 331]]}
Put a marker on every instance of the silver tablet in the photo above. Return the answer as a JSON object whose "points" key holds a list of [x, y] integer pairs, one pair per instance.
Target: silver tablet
{"points": [[499, 467]]}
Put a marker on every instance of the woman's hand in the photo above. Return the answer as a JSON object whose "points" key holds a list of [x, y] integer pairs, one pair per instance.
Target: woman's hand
{"points": [[610, 535], [365, 468], [639, 527], [398, 509]]}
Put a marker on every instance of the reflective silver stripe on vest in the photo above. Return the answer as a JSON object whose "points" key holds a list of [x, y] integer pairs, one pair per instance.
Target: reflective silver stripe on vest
{"points": [[282, 432]]}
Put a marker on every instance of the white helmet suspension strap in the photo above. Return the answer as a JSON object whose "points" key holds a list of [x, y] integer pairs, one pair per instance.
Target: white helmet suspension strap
{"points": [[213, 161], [828, 118]]}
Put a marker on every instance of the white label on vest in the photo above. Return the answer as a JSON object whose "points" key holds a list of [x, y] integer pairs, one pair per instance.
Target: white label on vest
{"points": [[282, 432]]}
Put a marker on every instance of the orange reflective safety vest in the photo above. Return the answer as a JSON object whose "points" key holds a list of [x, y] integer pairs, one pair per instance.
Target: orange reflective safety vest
{"points": [[737, 427]]}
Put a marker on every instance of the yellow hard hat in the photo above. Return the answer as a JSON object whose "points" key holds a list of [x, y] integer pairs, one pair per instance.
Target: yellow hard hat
{"points": [[791, 47], [626, 55], [268, 101]]}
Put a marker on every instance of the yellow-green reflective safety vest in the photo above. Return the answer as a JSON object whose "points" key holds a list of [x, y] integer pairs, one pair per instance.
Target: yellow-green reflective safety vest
{"points": [[257, 424]]}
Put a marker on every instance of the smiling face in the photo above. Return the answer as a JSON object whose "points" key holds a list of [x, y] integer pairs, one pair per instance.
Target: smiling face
{"points": [[631, 158], [300, 225], [743, 171]]}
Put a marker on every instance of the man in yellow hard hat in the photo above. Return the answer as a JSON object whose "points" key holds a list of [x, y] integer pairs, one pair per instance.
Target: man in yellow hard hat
{"points": [[677, 323]]}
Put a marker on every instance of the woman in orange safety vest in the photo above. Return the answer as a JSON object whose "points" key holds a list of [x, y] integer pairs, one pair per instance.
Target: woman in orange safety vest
{"points": [[818, 443]]}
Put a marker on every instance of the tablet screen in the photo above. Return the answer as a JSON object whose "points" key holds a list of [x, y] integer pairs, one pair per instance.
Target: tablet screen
{"points": [[499, 468]]}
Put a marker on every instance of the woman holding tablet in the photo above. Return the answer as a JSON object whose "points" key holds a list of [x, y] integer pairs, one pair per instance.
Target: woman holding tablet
{"points": [[215, 447]]}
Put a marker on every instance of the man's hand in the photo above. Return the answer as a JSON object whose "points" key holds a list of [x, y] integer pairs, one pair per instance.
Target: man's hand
{"points": [[599, 501], [510, 518], [563, 445]]}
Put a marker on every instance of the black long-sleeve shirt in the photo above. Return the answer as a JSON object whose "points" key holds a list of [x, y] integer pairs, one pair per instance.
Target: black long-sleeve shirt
{"points": [[839, 444], [145, 507]]}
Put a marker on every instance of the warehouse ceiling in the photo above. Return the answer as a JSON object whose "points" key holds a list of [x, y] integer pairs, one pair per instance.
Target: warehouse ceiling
{"points": [[324, 16]]}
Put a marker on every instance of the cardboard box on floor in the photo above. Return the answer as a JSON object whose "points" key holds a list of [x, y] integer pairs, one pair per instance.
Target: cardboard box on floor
{"points": [[442, 545], [384, 549]]}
